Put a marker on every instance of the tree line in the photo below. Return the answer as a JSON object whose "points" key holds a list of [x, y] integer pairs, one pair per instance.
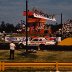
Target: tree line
{"points": [[11, 28], [8, 28]]}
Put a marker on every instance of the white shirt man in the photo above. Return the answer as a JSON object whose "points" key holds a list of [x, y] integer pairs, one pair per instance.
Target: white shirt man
{"points": [[12, 48]]}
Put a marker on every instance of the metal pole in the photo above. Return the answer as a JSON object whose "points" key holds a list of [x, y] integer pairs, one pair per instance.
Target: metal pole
{"points": [[61, 25], [61, 18], [26, 24]]}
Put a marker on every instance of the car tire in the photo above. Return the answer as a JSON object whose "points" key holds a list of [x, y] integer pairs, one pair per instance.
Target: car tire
{"points": [[41, 46]]}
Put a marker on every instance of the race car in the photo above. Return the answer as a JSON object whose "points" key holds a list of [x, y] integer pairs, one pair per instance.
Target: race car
{"points": [[41, 40]]}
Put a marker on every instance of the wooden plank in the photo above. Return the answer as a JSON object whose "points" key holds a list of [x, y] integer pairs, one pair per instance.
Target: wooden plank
{"points": [[3, 66], [34, 64], [66, 66], [0, 66], [64, 63], [30, 66], [56, 66]]}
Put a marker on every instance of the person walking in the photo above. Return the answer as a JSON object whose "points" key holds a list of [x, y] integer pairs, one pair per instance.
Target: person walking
{"points": [[12, 49]]}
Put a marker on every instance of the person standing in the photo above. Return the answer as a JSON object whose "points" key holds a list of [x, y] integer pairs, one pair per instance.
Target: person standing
{"points": [[12, 49]]}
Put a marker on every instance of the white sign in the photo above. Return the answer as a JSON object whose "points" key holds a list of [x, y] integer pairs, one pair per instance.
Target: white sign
{"points": [[15, 39], [40, 16]]}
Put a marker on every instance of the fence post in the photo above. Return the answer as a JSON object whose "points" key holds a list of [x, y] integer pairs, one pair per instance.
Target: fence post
{"points": [[3, 68], [0, 66], [56, 66]]}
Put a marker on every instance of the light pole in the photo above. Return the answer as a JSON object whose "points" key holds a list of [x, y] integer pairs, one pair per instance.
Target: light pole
{"points": [[26, 24], [61, 18], [61, 26]]}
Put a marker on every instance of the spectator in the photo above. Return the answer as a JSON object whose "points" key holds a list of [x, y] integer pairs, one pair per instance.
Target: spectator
{"points": [[67, 29], [12, 49]]}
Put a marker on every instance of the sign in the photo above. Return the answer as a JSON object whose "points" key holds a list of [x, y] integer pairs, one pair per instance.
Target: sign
{"points": [[15, 39], [40, 16]]}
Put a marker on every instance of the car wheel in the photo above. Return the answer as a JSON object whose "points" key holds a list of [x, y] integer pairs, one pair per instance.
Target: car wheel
{"points": [[41, 46]]}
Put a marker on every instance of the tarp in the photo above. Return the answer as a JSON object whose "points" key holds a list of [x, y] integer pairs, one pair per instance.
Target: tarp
{"points": [[66, 42]]}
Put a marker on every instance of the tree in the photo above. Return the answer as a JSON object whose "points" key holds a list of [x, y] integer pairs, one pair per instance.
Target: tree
{"points": [[10, 28], [3, 26]]}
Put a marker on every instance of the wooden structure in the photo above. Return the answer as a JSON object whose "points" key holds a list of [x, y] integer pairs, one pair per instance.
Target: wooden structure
{"points": [[36, 22]]}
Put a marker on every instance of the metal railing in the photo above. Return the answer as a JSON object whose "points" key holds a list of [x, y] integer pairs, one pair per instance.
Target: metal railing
{"points": [[4, 65]]}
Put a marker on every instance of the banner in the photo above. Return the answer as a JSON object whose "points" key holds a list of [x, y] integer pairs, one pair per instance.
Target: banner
{"points": [[15, 39]]}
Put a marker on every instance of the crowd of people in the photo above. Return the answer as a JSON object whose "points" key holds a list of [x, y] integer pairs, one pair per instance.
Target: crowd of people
{"points": [[67, 29]]}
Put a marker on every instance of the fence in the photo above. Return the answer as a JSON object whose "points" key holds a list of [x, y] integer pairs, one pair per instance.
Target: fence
{"points": [[4, 65]]}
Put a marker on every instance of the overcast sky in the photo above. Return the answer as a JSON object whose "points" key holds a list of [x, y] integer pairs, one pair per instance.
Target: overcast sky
{"points": [[11, 10]]}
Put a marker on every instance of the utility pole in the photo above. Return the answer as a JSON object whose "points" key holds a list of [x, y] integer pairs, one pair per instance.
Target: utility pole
{"points": [[61, 26], [26, 24], [61, 18]]}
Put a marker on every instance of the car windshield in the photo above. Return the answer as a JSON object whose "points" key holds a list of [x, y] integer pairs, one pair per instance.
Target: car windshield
{"points": [[35, 40]]}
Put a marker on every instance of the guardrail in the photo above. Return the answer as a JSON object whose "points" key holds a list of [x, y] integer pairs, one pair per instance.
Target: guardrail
{"points": [[4, 65]]}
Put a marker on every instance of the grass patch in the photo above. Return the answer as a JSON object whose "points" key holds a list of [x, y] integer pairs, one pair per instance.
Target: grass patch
{"points": [[39, 56]]}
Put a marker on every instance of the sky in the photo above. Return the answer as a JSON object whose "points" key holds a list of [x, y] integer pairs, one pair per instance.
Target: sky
{"points": [[11, 10]]}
